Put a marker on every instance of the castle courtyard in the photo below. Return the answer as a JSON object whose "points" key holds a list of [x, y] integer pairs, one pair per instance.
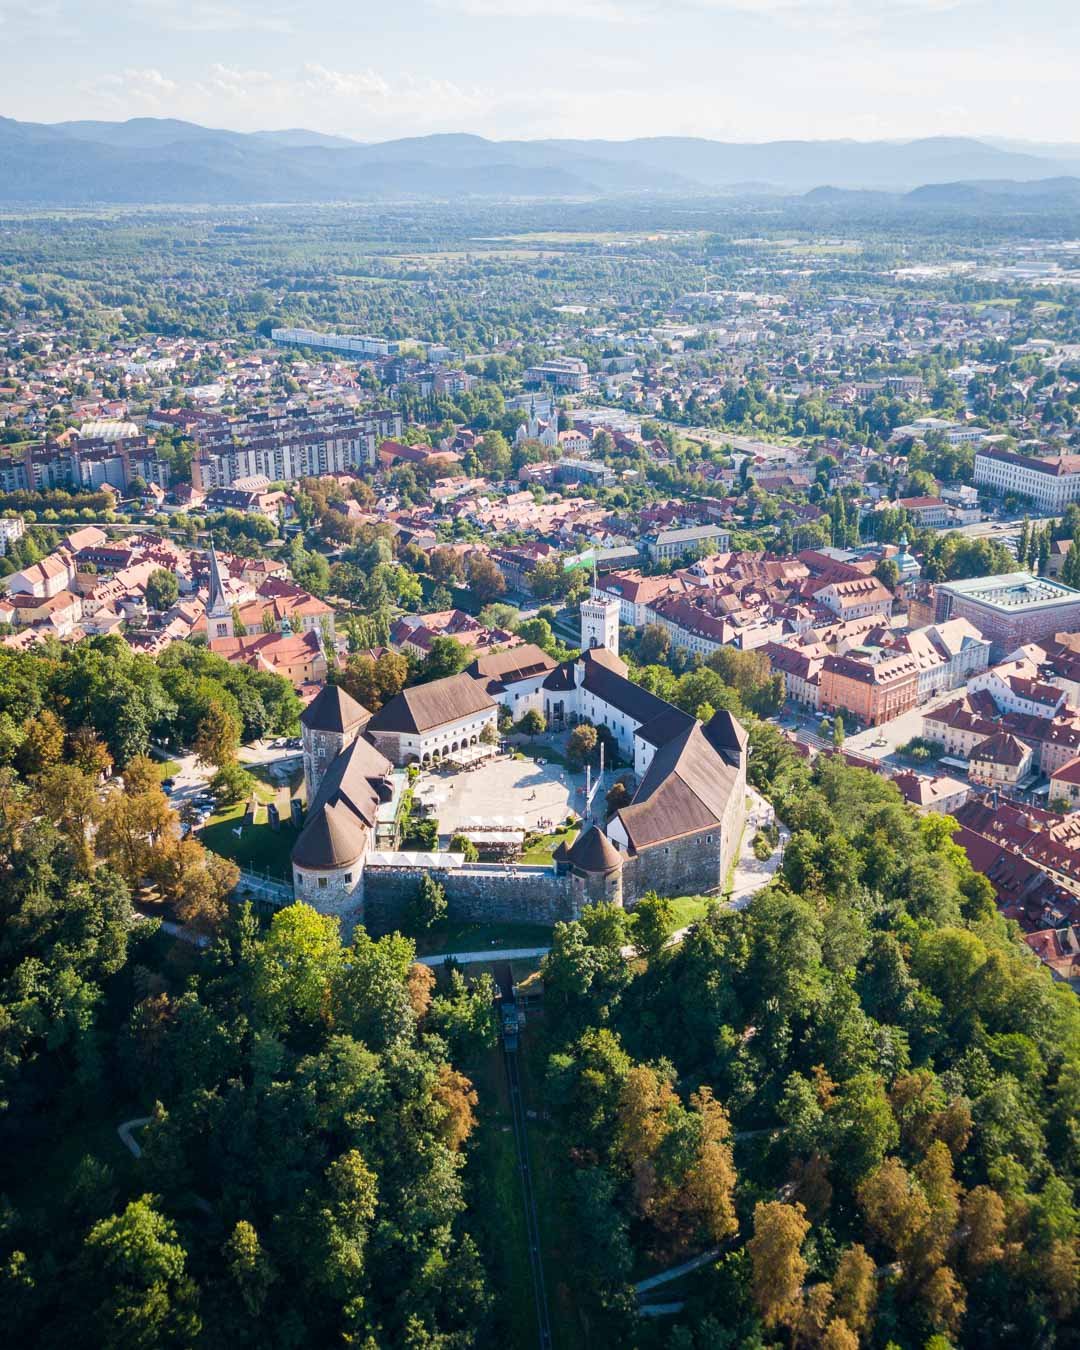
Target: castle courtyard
{"points": [[516, 792]]}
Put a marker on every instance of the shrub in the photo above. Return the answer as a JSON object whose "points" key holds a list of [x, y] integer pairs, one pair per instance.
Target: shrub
{"points": [[461, 843]]}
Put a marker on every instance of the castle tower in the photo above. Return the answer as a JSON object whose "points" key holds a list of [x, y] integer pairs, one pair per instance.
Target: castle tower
{"points": [[330, 722], [219, 618], [596, 869], [600, 623]]}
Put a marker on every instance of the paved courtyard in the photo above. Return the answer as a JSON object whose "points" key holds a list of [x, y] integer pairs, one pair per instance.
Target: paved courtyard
{"points": [[513, 792]]}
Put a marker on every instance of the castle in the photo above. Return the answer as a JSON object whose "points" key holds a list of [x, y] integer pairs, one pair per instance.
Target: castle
{"points": [[678, 835]]}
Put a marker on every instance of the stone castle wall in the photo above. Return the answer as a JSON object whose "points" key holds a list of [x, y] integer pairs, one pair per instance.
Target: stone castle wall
{"points": [[474, 895]]}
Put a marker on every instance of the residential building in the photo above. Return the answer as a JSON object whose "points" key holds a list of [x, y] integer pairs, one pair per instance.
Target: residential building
{"points": [[872, 690], [940, 793], [801, 670], [12, 528], [290, 449], [349, 344], [1065, 784], [1002, 760]]}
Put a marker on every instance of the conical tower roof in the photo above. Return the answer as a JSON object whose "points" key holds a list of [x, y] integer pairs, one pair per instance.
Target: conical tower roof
{"points": [[593, 851], [217, 604]]}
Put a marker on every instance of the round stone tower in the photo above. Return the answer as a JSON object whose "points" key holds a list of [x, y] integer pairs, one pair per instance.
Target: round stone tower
{"points": [[596, 869]]}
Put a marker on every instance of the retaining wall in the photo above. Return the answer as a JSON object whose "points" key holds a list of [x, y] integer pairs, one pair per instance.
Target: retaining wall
{"points": [[475, 894]]}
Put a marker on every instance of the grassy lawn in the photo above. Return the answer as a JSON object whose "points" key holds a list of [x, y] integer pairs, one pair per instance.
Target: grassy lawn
{"points": [[542, 851], [264, 777], [257, 847], [168, 768], [689, 909], [455, 936], [538, 750]]}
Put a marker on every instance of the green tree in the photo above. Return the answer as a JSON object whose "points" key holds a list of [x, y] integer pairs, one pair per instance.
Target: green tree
{"points": [[137, 1287], [428, 905], [217, 737], [533, 723], [653, 924], [162, 589], [581, 745]]}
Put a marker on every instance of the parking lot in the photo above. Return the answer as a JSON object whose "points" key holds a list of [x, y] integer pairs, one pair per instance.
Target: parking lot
{"points": [[504, 790]]}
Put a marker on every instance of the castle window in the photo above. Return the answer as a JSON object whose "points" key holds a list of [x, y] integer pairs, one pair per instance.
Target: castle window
{"points": [[322, 881], [348, 878]]}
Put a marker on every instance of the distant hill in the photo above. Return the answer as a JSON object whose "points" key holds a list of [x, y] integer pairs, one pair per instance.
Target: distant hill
{"points": [[170, 161], [984, 195]]}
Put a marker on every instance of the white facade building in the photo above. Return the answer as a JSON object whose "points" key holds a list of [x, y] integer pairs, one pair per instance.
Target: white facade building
{"points": [[1050, 483]]}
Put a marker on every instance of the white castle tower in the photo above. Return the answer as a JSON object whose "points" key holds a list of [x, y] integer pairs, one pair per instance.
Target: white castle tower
{"points": [[600, 623]]}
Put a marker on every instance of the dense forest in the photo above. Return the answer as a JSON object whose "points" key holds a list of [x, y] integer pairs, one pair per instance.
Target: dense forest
{"points": [[861, 1090]]}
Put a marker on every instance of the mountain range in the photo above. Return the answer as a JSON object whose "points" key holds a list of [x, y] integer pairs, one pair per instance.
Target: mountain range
{"points": [[162, 160]]}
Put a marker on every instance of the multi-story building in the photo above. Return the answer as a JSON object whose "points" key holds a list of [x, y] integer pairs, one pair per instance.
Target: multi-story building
{"points": [[12, 528], [350, 344], [874, 690], [801, 672], [561, 372], [634, 592], [434, 721], [666, 545], [1049, 483], [86, 464], [1001, 760], [1011, 610], [926, 512], [286, 451], [856, 598]]}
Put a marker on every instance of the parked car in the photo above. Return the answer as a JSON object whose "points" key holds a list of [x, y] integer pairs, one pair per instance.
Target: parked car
{"points": [[168, 784]]}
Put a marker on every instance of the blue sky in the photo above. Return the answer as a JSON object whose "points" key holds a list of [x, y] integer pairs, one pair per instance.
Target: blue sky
{"points": [[730, 69]]}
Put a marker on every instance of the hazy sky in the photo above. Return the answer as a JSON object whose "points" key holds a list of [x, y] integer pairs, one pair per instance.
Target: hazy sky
{"points": [[731, 69]]}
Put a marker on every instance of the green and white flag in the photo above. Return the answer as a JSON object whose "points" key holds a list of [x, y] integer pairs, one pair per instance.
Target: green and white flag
{"points": [[586, 559]]}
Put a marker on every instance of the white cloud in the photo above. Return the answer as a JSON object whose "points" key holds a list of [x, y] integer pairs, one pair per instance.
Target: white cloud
{"points": [[147, 88], [342, 84], [238, 84]]}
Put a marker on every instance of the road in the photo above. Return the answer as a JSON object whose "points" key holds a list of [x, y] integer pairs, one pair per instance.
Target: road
{"points": [[676, 1272], [532, 1224], [126, 1137], [897, 732], [495, 953], [1001, 529]]}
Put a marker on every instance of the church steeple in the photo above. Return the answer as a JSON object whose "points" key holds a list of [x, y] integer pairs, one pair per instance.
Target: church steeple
{"points": [[219, 619]]}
